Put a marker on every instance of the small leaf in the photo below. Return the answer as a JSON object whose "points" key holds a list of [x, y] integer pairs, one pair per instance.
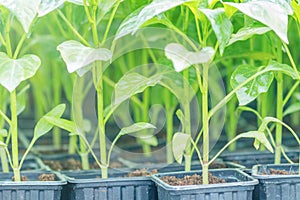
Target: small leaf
{"points": [[279, 67], [77, 56], [43, 126], [255, 87], [179, 143], [25, 11], [3, 133], [246, 33], [131, 84], [221, 25], [48, 6], [180, 116], [295, 107], [105, 6], [259, 136], [296, 8], [62, 123], [13, 72], [21, 99], [271, 14], [183, 58], [136, 128], [134, 21]]}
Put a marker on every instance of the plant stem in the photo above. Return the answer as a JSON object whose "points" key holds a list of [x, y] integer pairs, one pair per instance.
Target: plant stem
{"points": [[279, 116], [187, 122], [4, 162], [14, 135], [57, 97], [205, 121], [169, 125]]}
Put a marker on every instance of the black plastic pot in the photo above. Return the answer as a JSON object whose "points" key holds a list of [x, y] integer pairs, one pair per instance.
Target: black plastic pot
{"points": [[32, 189], [86, 185], [239, 186], [251, 158], [281, 187]]}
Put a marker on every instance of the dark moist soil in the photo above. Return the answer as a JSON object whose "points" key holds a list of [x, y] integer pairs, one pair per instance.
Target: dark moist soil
{"points": [[218, 165], [142, 172], [278, 172], [191, 180]]}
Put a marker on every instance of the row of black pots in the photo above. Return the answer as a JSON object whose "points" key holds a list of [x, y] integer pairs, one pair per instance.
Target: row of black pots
{"points": [[87, 185]]}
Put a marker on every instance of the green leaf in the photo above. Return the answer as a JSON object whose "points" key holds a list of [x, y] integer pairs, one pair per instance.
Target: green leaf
{"points": [[152, 141], [3, 133], [182, 58], [255, 87], [137, 127], [13, 72], [25, 11], [271, 14], [48, 6], [279, 67], [77, 56], [77, 2], [179, 143], [246, 33], [21, 99], [221, 25], [43, 126], [134, 21], [259, 136], [296, 8], [295, 107], [64, 124], [181, 117], [131, 84]]}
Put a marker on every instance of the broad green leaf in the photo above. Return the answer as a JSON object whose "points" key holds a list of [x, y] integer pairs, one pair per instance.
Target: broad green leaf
{"points": [[43, 126], [295, 107], [25, 11], [246, 33], [77, 56], [133, 22], [221, 25], [133, 83], [62, 123], [279, 67], [255, 87], [182, 58], [21, 99], [271, 14], [3, 133], [77, 2], [259, 136], [179, 143], [13, 72], [48, 6], [134, 128]]}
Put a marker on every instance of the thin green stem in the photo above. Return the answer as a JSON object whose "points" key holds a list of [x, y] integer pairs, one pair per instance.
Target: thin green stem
{"points": [[205, 122], [3, 115], [291, 60], [290, 93], [14, 135], [7, 37], [19, 46], [4, 161], [68, 23], [279, 115], [110, 22], [2, 40]]}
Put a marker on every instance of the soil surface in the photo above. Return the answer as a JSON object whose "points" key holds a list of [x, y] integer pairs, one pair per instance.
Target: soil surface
{"points": [[47, 177], [278, 172], [69, 164], [23, 178], [142, 172], [217, 165], [190, 180]]}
